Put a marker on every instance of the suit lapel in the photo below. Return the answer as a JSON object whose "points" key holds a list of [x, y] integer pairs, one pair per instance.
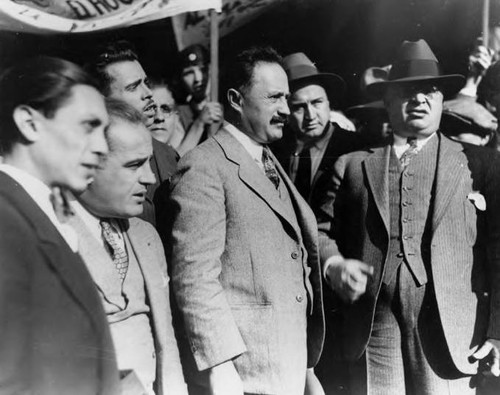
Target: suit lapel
{"points": [[449, 169], [99, 263], [154, 276], [68, 265], [376, 167], [252, 175]]}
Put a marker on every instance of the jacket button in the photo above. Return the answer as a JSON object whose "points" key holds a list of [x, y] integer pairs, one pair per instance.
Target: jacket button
{"points": [[400, 255], [295, 255], [299, 298]]}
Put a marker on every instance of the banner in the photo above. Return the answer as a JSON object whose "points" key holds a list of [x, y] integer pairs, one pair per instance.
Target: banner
{"points": [[81, 16], [194, 27]]}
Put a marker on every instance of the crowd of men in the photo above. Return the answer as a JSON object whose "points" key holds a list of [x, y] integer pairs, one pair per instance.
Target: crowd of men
{"points": [[263, 245]]}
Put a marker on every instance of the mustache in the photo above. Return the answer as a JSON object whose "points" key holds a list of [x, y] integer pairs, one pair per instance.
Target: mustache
{"points": [[279, 119]]}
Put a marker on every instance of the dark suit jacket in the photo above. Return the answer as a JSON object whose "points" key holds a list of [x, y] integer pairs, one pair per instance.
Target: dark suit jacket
{"points": [[341, 142], [54, 336], [237, 270], [163, 164], [464, 249]]}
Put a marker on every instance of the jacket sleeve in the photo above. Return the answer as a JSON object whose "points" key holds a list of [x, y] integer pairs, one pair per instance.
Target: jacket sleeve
{"points": [[197, 242], [492, 196], [329, 202], [173, 377]]}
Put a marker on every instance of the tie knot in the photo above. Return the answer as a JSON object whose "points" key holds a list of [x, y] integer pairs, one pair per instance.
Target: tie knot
{"points": [[412, 141]]}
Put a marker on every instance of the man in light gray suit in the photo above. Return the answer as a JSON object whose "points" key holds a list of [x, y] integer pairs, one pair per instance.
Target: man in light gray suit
{"points": [[125, 256], [410, 240], [245, 266]]}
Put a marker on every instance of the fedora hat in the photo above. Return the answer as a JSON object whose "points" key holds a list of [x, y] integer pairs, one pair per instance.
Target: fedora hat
{"points": [[300, 70], [416, 63]]}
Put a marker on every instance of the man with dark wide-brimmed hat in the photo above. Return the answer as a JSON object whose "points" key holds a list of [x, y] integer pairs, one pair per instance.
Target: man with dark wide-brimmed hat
{"points": [[311, 142], [410, 244]]}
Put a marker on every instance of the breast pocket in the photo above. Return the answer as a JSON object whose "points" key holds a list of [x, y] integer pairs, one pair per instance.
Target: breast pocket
{"points": [[470, 221]]}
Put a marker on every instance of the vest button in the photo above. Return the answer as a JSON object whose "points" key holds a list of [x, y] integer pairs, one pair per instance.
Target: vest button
{"points": [[295, 255], [299, 298], [400, 255]]}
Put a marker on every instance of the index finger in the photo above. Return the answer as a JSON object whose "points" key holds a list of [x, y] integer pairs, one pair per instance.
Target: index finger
{"points": [[365, 268]]}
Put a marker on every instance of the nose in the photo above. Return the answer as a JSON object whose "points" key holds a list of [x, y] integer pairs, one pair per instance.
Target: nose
{"points": [[98, 143], [159, 117], [146, 92], [198, 75], [308, 112], [419, 97], [147, 176], [283, 108]]}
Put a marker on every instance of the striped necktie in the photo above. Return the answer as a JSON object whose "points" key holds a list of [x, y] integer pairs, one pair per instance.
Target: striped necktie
{"points": [[409, 154], [119, 255], [269, 167]]}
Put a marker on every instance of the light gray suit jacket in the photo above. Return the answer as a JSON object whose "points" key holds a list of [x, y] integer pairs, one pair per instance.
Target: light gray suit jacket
{"points": [[237, 271], [151, 257], [464, 249]]}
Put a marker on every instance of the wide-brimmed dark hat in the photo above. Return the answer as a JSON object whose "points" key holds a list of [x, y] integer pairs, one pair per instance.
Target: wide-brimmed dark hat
{"points": [[300, 70], [415, 63]]}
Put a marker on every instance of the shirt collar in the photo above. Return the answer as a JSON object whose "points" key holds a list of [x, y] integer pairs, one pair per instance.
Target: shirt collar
{"points": [[37, 189], [402, 141], [250, 145]]}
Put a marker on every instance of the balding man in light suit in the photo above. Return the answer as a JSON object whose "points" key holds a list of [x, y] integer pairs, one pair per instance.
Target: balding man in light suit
{"points": [[244, 249]]}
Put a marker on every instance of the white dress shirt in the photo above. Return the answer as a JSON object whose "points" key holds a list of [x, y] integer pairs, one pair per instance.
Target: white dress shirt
{"points": [[251, 146]]}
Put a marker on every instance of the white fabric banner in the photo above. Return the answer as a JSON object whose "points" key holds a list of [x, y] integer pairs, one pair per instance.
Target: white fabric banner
{"points": [[194, 27], [79, 16]]}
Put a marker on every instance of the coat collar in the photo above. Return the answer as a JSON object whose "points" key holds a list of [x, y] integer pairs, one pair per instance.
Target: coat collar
{"points": [[68, 265], [450, 162], [255, 179]]}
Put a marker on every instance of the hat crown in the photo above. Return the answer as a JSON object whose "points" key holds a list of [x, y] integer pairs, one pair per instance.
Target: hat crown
{"points": [[298, 65], [415, 50], [414, 59]]}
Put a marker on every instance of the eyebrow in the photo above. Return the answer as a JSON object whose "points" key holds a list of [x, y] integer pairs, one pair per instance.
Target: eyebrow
{"points": [[133, 84]]}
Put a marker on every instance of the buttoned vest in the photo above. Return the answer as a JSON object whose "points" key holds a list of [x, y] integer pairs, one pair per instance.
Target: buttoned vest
{"points": [[410, 201]]}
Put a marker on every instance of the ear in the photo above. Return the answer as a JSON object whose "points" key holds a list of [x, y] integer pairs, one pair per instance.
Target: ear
{"points": [[235, 99], [26, 120]]}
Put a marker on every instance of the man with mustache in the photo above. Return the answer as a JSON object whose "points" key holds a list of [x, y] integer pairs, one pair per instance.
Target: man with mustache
{"points": [[243, 243], [311, 142], [410, 245], [125, 256], [121, 76], [54, 337]]}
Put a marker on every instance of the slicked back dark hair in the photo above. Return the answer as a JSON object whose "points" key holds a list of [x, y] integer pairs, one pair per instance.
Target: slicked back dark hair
{"points": [[109, 53], [43, 83], [239, 73]]}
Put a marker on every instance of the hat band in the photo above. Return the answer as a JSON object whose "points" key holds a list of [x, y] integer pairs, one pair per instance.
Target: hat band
{"points": [[415, 68], [296, 72]]}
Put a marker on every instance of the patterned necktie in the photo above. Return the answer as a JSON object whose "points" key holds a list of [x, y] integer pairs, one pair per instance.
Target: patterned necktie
{"points": [[303, 177], [410, 152], [269, 167], [120, 258]]}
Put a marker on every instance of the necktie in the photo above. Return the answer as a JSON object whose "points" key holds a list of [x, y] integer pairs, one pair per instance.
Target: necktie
{"points": [[269, 167], [410, 152], [61, 205], [120, 258], [303, 177]]}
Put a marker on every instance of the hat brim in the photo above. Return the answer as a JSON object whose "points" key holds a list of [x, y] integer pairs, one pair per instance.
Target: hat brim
{"points": [[449, 84], [367, 110], [332, 83]]}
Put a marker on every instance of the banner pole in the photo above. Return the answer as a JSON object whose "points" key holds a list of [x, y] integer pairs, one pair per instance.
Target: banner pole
{"points": [[214, 55]]}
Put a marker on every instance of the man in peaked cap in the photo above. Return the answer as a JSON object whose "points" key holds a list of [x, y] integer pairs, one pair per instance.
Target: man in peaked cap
{"points": [[199, 115], [311, 143], [410, 245]]}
